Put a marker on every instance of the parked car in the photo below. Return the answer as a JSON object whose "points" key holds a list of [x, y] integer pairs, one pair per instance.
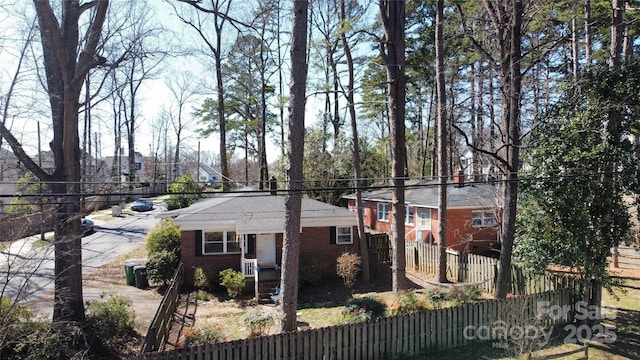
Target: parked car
{"points": [[88, 226], [142, 205]]}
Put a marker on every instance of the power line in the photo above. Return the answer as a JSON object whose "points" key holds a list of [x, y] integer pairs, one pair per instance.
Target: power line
{"points": [[430, 183]]}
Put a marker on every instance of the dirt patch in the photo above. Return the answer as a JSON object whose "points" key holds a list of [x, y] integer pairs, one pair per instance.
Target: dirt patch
{"points": [[110, 279], [112, 273]]}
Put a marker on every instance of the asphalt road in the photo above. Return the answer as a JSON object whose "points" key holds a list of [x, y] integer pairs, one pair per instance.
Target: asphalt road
{"points": [[28, 272]]}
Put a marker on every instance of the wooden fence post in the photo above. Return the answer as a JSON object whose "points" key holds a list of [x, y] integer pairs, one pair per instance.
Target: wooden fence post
{"points": [[463, 267]]}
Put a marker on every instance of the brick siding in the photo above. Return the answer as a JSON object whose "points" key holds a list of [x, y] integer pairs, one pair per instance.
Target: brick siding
{"points": [[315, 248], [459, 229]]}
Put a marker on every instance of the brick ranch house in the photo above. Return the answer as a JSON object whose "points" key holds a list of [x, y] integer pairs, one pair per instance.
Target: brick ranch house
{"points": [[472, 212], [244, 232]]}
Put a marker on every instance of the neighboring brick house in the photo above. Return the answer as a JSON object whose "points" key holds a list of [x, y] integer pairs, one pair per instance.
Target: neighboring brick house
{"points": [[243, 231], [472, 213]]}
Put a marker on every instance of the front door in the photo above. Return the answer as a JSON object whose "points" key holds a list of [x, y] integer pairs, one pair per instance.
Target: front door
{"points": [[266, 250]]}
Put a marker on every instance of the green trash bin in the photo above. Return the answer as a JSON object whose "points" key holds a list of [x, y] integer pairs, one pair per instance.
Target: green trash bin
{"points": [[129, 273]]}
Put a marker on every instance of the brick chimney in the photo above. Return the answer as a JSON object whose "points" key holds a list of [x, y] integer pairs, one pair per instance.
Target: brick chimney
{"points": [[458, 179]]}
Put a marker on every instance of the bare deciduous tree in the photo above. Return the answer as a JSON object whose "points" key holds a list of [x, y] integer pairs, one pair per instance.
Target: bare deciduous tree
{"points": [[220, 11], [183, 90], [67, 56], [366, 276], [506, 22]]}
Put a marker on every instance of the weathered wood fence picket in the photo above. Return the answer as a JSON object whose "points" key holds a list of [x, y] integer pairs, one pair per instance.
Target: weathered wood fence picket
{"points": [[390, 337], [161, 323], [482, 270], [379, 244]]}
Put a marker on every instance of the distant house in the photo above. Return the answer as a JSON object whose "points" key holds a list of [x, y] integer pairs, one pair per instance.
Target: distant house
{"points": [[244, 231], [209, 175], [46, 161], [122, 166], [90, 165], [472, 213], [478, 166], [10, 171]]}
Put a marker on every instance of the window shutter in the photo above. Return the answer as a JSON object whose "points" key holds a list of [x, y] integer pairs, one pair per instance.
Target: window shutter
{"points": [[332, 235], [198, 235]]}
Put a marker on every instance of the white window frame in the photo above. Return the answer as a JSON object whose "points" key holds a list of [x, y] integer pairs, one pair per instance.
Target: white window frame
{"points": [[383, 211], [344, 235], [228, 237], [483, 218], [409, 214], [425, 219]]}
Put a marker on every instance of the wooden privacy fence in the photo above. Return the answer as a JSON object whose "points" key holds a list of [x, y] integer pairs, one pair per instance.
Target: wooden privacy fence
{"points": [[482, 270], [393, 337], [467, 268], [380, 243], [159, 328], [524, 282]]}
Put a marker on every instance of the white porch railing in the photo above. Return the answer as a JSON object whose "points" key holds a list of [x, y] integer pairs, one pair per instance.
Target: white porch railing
{"points": [[250, 269]]}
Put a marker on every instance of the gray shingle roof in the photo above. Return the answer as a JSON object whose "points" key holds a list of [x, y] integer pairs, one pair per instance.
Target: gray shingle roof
{"points": [[209, 169], [425, 194], [260, 212]]}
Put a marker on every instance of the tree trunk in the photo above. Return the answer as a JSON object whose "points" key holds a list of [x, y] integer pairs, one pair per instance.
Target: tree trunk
{"points": [[392, 50], [587, 34], [66, 70], [176, 156], [337, 123], [280, 62], [262, 140], [217, 55], [131, 127], [614, 116], [293, 200], [511, 82], [575, 54], [224, 170], [364, 251], [442, 145]]}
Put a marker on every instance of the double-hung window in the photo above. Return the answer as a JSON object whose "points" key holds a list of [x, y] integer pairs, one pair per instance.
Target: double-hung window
{"points": [[220, 242], [483, 219], [344, 235], [408, 215], [425, 219], [383, 211]]}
